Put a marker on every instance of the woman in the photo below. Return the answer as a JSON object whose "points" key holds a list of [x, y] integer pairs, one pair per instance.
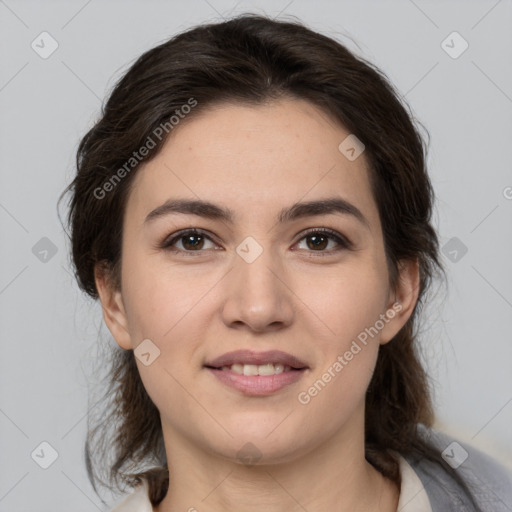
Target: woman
{"points": [[253, 211]]}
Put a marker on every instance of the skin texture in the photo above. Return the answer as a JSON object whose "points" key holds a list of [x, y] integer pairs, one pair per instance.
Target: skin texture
{"points": [[194, 307]]}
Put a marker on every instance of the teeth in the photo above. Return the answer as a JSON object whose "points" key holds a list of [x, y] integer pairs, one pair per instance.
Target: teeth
{"points": [[266, 369], [253, 369], [237, 368]]}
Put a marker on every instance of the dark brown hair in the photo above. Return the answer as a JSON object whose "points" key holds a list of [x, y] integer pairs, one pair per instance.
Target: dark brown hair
{"points": [[252, 59]]}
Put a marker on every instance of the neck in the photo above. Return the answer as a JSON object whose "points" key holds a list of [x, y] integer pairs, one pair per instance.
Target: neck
{"points": [[333, 476]]}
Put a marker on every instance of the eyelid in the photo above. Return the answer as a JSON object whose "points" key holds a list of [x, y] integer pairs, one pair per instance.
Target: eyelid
{"points": [[168, 241], [342, 240]]}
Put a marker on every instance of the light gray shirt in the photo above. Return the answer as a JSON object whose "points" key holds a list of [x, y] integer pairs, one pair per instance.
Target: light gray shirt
{"points": [[490, 482]]}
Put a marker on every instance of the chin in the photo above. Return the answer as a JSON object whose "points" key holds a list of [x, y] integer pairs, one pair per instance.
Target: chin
{"points": [[257, 447]]}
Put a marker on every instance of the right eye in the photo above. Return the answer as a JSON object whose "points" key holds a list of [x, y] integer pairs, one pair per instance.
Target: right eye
{"points": [[192, 240]]}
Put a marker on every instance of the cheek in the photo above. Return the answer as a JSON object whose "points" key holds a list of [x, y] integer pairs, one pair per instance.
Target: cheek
{"points": [[349, 306], [160, 298], [336, 394], [172, 309], [344, 302]]}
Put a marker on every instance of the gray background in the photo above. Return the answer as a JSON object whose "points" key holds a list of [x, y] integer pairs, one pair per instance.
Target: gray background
{"points": [[49, 329]]}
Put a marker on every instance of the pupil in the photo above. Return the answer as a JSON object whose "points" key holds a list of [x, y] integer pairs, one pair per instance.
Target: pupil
{"points": [[315, 244], [188, 239]]}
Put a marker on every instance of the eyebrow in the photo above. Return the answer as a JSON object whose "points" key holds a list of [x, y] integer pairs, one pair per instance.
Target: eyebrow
{"points": [[208, 210]]}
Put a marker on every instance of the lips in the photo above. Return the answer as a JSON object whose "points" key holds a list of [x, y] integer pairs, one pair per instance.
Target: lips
{"points": [[257, 374], [248, 357]]}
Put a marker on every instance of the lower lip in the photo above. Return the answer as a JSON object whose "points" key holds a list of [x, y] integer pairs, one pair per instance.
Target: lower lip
{"points": [[257, 385]]}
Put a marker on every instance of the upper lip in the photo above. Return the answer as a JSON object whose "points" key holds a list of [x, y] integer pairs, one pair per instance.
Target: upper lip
{"points": [[257, 358]]}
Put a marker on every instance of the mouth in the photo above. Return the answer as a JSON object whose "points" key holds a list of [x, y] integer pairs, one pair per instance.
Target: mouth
{"points": [[257, 373], [250, 358], [253, 369]]}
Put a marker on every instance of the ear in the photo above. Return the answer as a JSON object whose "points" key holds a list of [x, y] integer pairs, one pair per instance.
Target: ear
{"points": [[113, 308], [402, 300]]}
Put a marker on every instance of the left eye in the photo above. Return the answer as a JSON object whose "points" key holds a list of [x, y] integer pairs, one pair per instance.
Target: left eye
{"points": [[319, 239], [193, 240]]}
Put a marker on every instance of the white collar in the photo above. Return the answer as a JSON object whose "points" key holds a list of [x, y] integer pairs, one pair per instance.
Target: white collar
{"points": [[413, 497]]}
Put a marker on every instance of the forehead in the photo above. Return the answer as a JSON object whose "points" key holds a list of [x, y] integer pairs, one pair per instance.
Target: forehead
{"points": [[245, 157]]}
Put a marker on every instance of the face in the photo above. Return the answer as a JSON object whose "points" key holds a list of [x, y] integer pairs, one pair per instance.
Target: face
{"points": [[303, 288]]}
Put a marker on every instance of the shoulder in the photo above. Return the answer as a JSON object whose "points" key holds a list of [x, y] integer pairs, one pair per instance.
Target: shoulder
{"points": [[463, 477], [136, 501]]}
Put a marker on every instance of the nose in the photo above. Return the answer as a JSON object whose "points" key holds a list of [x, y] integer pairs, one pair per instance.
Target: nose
{"points": [[257, 294]]}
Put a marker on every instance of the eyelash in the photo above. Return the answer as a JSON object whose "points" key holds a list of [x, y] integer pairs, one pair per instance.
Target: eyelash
{"points": [[344, 242]]}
